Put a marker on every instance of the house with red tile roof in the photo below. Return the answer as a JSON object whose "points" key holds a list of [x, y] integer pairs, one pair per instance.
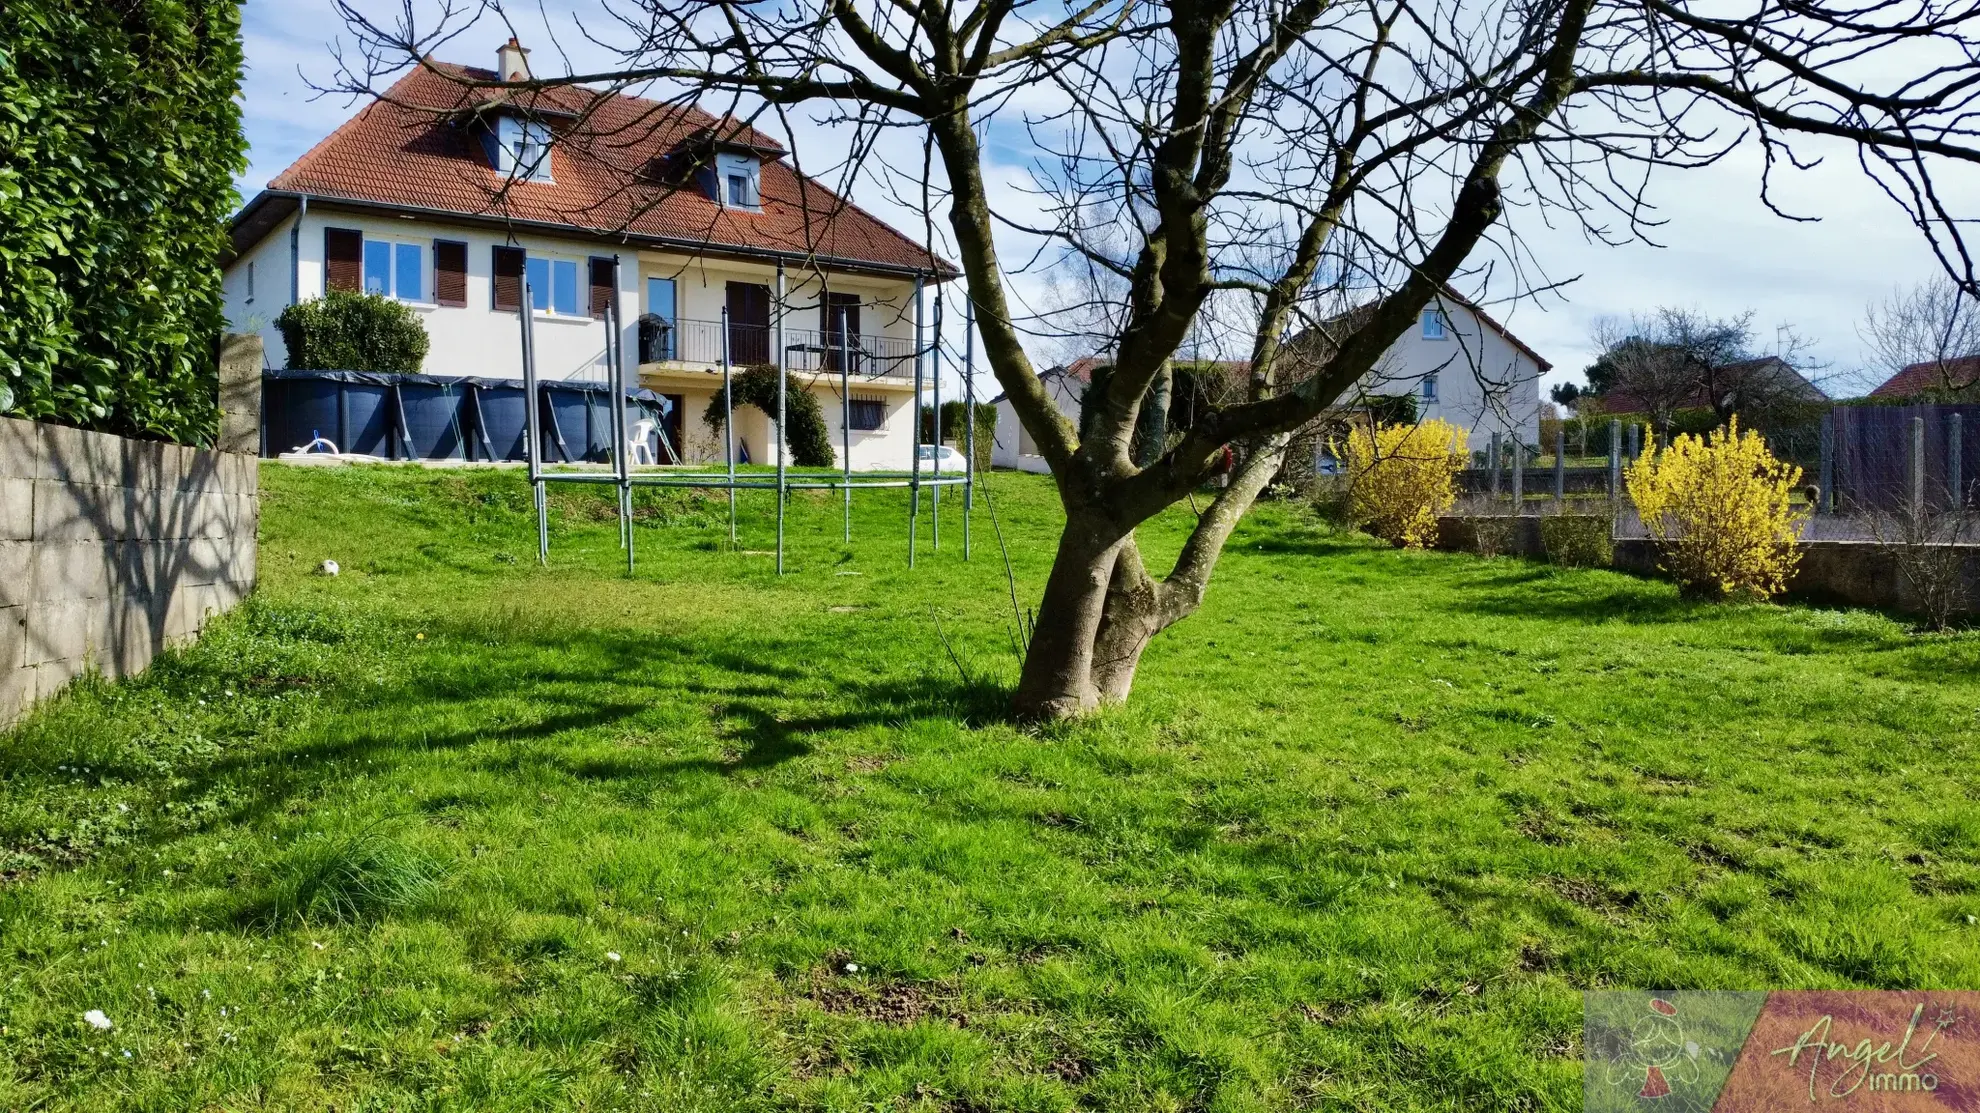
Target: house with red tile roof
{"points": [[465, 199], [1933, 378]]}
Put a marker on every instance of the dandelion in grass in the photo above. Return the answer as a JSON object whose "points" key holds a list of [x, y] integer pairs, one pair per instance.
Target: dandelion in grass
{"points": [[612, 956], [98, 1021]]}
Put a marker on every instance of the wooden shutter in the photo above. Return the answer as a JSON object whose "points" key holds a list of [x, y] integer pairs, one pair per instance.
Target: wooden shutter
{"points": [[449, 272], [604, 277], [343, 259], [508, 277]]}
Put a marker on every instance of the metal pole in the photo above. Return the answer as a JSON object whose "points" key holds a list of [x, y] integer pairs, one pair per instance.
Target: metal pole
{"points": [[1518, 474], [1917, 466], [533, 423], [935, 462], [914, 436], [969, 417], [845, 418], [1560, 469], [728, 426], [1955, 464], [783, 376], [1496, 462], [614, 355], [1825, 499], [1615, 459]]}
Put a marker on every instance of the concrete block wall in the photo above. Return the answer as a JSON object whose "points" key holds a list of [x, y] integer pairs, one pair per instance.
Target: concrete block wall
{"points": [[112, 549]]}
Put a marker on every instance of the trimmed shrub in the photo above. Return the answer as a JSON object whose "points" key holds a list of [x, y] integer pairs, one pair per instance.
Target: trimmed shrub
{"points": [[347, 331], [805, 433], [1494, 535], [1578, 540], [1400, 477], [1718, 509], [119, 140]]}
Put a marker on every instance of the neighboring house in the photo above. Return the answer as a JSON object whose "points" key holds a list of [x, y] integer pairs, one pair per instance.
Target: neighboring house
{"points": [[1462, 366], [1765, 381], [1459, 363], [1933, 377], [447, 198]]}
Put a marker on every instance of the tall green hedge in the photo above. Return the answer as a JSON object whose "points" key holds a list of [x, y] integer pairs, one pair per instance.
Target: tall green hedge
{"points": [[348, 331], [119, 141]]}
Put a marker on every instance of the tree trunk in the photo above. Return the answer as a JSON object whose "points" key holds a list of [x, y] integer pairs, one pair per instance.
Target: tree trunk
{"points": [[1133, 615], [1057, 681]]}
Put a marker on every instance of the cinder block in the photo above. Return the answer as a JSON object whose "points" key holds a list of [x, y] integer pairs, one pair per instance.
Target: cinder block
{"points": [[16, 694], [81, 457], [16, 509], [56, 631], [20, 448], [52, 676], [144, 464], [16, 572], [79, 512], [13, 640], [70, 571]]}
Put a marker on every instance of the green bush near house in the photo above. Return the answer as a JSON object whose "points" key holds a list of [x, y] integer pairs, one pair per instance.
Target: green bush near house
{"points": [[1578, 540], [348, 331], [119, 140], [804, 432]]}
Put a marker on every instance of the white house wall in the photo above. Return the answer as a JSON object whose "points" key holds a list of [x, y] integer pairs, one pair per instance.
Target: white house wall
{"points": [[1008, 451], [477, 339], [1485, 383]]}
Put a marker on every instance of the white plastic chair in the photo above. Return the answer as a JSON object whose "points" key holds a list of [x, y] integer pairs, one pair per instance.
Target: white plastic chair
{"points": [[640, 443]]}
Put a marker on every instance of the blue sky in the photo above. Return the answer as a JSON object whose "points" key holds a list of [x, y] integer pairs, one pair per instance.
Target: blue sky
{"points": [[1725, 253]]}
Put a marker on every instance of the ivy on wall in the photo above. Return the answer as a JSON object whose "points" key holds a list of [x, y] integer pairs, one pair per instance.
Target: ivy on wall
{"points": [[119, 141], [805, 433]]}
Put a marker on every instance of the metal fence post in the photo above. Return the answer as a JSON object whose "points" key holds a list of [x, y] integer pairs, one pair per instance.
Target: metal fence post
{"points": [[1615, 459], [1494, 463], [1955, 462], [1560, 469], [1518, 475], [1917, 466], [1825, 499]]}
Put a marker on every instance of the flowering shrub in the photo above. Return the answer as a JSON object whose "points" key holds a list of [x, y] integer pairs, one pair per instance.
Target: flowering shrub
{"points": [[1718, 508], [1400, 477]]}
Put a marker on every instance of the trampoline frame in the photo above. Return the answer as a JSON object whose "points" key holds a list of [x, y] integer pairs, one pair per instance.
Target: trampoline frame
{"points": [[624, 478]]}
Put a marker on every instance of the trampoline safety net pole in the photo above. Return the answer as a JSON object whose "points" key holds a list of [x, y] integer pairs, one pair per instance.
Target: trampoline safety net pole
{"points": [[935, 460], [728, 427], [615, 353], [969, 417], [783, 378], [533, 423], [845, 419], [914, 431]]}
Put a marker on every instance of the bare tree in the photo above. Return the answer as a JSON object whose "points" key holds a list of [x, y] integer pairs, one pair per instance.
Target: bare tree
{"points": [[1935, 325], [1281, 148], [1673, 359]]}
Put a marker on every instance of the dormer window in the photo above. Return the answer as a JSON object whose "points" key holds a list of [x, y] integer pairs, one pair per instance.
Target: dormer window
{"points": [[737, 180], [522, 148]]}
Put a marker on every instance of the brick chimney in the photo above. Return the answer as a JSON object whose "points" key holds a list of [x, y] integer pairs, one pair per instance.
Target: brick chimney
{"points": [[512, 61]]}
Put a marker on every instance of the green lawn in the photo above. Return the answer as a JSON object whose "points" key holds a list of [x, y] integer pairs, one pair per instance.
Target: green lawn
{"points": [[453, 831]]}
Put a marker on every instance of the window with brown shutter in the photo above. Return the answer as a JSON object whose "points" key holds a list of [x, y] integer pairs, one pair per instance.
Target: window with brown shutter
{"points": [[508, 277], [343, 259], [449, 272], [603, 278]]}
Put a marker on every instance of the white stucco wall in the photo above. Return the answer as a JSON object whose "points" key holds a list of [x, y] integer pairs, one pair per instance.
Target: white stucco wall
{"points": [[1009, 451], [1484, 382]]}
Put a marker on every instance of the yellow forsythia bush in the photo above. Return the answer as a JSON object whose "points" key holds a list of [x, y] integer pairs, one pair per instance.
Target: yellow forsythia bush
{"points": [[1718, 508], [1400, 477]]}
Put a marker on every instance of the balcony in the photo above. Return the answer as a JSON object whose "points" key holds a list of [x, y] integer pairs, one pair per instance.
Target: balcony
{"points": [[865, 355]]}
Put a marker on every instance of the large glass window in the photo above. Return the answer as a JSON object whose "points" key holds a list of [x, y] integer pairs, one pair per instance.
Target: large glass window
{"points": [[1433, 323], [660, 305], [553, 285], [396, 270], [378, 267]]}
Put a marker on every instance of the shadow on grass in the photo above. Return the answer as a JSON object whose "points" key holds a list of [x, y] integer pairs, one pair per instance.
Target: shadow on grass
{"points": [[524, 697]]}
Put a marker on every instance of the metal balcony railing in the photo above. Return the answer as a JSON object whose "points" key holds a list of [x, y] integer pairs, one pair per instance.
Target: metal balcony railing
{"points": [[690, 341]]}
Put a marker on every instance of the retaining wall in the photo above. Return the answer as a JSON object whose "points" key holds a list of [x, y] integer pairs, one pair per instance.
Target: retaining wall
{"points": [[110, 550], [1853, 573]]}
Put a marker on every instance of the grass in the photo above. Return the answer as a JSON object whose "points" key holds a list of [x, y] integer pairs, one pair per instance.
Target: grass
{"points": [[453, 831]]}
